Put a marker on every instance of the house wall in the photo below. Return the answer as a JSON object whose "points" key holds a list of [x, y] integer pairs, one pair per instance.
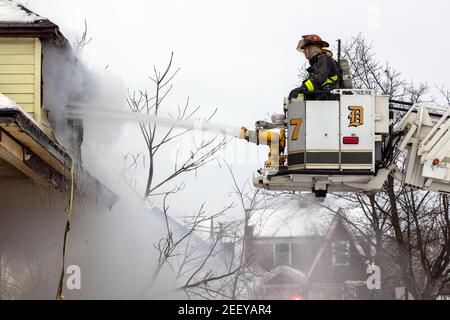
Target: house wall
{"points": [[302, 251], [325, 271], [32, 224], [328, 281], [20, 72]]}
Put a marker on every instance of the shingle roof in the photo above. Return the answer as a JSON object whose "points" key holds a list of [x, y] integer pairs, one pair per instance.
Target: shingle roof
{"points": [[12, 12], [290, 220], [18, 21]]}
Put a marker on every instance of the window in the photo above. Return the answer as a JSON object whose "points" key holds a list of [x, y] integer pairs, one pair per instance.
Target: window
{"points": [[282, 254], [340, 252]]}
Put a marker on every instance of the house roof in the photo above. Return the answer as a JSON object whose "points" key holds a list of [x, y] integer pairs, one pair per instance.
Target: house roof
{"points": [[293, 274], [178, 229], [13, 12], [174, 225], [26, 130], [290, 219], [25, 146], [18, 21]]}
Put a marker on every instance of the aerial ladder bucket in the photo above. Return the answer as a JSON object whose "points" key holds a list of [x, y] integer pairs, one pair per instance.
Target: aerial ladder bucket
{"points": [[349, 144]]}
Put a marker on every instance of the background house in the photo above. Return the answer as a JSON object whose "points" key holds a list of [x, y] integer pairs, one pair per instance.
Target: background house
{"points": [[306, 254], [316, 263]]}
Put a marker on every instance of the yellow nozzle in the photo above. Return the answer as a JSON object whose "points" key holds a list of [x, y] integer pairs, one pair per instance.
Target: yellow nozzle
{"points": [[242, 133], [276, 142], [282, 138], [265, 137]]}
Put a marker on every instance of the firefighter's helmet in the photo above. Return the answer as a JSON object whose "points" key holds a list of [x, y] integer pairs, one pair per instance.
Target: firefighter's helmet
{"points": [[311, 40]]}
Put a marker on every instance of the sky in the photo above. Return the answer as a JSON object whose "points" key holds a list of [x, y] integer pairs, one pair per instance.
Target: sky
{"points": [[240, 57]]}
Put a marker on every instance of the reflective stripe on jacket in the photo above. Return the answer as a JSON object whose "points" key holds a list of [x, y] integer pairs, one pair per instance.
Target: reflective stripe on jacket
{"points": [[324, 71]]}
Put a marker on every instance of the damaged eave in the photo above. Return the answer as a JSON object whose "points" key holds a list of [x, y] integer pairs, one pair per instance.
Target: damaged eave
{"points": [[31, 135], [45, 30], [27, 148], [26, 161]]}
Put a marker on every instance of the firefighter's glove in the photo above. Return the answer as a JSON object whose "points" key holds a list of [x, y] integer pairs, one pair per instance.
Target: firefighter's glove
{"points": [[296, 93]]}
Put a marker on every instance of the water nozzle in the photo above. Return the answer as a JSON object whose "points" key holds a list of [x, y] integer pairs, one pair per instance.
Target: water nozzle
{"points": [[243, 133]]}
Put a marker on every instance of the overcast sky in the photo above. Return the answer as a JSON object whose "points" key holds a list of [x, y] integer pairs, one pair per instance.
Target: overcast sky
{"points": [[240, 57]]}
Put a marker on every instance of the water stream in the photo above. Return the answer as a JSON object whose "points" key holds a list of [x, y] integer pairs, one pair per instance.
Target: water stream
{"points": [[81, 111]]}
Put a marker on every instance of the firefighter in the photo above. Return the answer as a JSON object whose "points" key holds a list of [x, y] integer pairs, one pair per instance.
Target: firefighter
{"points": [[323, 73]]}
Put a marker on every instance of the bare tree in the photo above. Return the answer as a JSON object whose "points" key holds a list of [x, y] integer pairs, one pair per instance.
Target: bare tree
{"points": [[405, 230], [224, 267], [250, 200], [192, 259], [257, 207], [203, 151]]}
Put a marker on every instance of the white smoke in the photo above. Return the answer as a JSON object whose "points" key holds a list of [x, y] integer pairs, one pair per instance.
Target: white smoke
{"points": [[67, 81], [114, 248]]}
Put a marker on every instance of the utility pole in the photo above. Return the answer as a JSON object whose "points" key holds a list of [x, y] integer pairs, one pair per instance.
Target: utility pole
{"points": [[339, 51]]}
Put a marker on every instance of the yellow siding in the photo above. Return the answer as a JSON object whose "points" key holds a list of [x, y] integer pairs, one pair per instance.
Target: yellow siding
{"points": [[14, 47], [16, 69], [20, 72], [22, 97], [17, 78], [37, 79], [17, 59], [28, 107], [16, 88]]}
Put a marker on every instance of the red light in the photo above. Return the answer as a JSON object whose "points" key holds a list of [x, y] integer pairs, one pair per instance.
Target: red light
{"points": [[296, 297], [350, 140]]}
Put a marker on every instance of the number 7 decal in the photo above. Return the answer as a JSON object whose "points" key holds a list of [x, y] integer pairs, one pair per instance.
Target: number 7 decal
{"points": [[297, 122]]}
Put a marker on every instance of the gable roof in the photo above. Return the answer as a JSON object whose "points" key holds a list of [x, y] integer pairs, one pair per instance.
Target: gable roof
{"points": [[327, 239], [337, 221], [288, 218], [12, 12], [18, 21]]}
